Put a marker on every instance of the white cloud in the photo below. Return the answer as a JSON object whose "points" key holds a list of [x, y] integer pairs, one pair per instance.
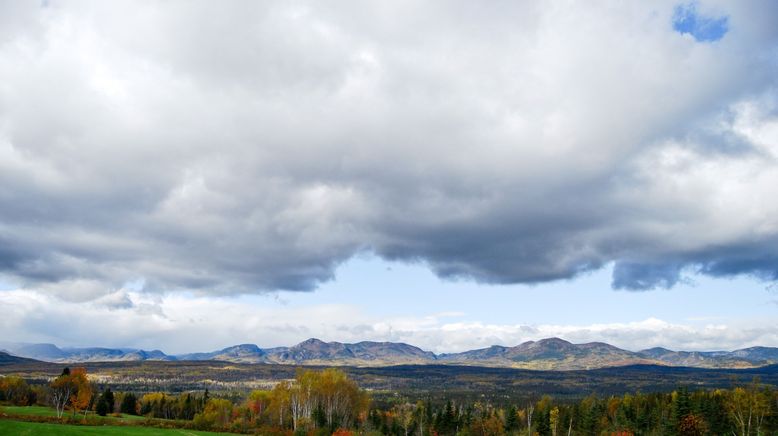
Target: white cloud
{"points": [[176, 324]]}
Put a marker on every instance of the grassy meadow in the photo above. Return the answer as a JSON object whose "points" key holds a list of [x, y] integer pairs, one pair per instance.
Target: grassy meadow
{"points": [[49, 412], [21, 428], [20, 420]]}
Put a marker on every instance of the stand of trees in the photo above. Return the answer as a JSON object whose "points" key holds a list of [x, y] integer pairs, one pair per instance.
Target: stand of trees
{"points": [[315, 401], [743, 411], [160, 405], [16, 391], [328, 402]]}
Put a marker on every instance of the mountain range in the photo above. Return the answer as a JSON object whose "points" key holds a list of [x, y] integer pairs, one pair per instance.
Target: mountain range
{"points": [[546, 354]]}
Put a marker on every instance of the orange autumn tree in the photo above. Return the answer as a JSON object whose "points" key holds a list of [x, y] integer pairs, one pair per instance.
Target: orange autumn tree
{"points": [[81, 399], [71, 388], [62, 388]]}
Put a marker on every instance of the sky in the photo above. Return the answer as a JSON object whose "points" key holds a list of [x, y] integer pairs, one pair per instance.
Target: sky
{"points": [[192, 175]]}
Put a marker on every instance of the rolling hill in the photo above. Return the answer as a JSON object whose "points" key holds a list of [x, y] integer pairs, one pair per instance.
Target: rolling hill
{"points": [[8, 359]]}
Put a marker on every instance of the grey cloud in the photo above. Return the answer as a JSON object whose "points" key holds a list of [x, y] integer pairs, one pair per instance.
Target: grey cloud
{"points": [[244, 148], [637, 276], [760, 260], [117, 300]]}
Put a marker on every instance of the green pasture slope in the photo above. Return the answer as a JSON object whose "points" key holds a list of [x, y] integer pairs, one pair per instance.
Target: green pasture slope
{"points": [[48, 411], [99, 425], [21, 428]]}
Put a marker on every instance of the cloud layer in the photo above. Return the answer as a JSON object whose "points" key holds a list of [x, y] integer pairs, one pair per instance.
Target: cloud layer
{"points": [[240, 148], [177, 324]]}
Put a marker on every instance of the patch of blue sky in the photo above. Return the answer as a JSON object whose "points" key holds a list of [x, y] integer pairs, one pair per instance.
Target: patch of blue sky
{"points": [[391, 289], [7, 285], [688, 20]]}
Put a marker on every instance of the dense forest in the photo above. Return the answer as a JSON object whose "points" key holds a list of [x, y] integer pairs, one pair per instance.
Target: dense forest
{"points": [[328, 401]]}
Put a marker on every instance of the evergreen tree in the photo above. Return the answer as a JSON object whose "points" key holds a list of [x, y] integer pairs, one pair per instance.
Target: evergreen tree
{"points": [[511, 420], [541, 419], [714, 410], [375, 419], [160, 407], [445, 420], [680, 408], [430, 412], [187, 410], [588, 416], [129, 404], [101, 408], [109, 399]]}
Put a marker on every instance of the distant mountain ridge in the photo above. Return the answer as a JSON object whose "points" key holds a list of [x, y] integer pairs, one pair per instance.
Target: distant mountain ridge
{"points": [[244, 353], [364, 353], [52, 353], [546, 354], [552, 353], [9, 359]]}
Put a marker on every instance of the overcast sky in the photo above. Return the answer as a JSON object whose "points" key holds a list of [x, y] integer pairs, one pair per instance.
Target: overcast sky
{"points": [[449, 174]]}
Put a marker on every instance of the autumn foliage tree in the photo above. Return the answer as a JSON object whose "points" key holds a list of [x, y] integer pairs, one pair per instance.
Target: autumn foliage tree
{"points": [[15, 390], [280, 403], [71, 389], [339, 397], [81, 399], [258, 403], [692, 425], [748, 407], [319, 401], [61, 390], [330, 394], [217, 414]]}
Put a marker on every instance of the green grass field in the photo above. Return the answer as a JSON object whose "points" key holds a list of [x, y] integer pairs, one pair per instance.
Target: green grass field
{"points": [[48, 411], [9, 427]]}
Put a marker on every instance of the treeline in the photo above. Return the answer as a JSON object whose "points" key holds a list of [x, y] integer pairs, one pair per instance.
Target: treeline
{"points": [[325, 402], [72, 392], [742, 411], [315, 401]]}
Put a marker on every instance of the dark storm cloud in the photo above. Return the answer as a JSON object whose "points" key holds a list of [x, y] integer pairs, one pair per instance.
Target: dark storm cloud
{"points": [[637, 276], [759, 259], [239, 148]]}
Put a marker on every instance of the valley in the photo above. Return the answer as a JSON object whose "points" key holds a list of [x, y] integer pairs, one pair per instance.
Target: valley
{"points": [[415, 382]]}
